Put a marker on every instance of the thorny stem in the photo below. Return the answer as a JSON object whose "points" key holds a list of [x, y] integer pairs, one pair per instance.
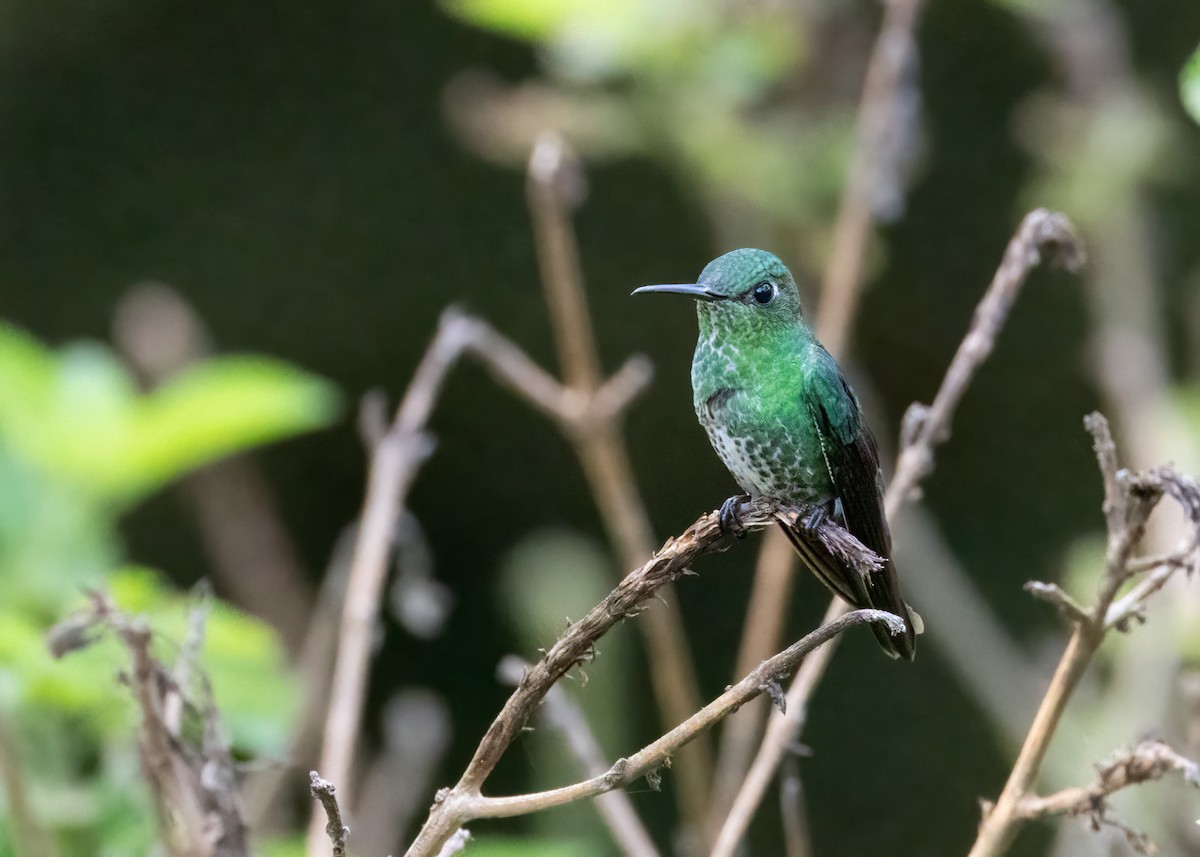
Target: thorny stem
{"points": [[458, 805], [463, 804]]}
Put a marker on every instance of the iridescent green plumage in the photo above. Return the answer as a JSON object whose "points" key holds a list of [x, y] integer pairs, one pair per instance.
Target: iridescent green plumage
{"points": [[780, 414]]}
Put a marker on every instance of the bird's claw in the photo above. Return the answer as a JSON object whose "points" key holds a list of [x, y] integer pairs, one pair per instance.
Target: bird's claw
{"points": [[814, 520], [729, 519]]}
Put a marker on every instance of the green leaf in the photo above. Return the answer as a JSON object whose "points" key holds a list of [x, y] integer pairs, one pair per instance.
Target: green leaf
{"points": [[79, 417], [219, 407], [531, 20], [1189, 85]]}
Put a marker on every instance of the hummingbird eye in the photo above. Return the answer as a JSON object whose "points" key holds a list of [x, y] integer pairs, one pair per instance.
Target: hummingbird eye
{"points": [[764, 293]]}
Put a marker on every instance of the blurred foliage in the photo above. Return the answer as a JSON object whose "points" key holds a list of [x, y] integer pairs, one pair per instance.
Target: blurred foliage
{"points": [[79, 446], [1189, 85], [708, 89]]}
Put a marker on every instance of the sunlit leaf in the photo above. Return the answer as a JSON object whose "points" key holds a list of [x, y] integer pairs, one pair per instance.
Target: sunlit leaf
{"points": [[1189, 85], [78, 415], [219, 407]]}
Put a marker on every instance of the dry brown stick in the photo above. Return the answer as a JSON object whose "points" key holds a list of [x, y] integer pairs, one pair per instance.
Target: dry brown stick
{"points": [[555, 182], [1128, 501], [563, 714], [191, 777], [762, 629], [924, 428], [325, 794], [395, 459], [456, 806], [1150, 760], [843, 275]]}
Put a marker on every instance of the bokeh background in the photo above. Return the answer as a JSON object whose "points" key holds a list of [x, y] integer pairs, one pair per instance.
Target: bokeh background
{"points": [[316, 182]]}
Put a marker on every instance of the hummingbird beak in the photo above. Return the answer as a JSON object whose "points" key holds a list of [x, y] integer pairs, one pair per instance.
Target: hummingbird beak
{"points": [[694, 290]]}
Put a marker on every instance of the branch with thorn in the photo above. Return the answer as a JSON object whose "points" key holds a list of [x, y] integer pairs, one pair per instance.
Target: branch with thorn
{"points": [[1129, 498], [464, 802]]}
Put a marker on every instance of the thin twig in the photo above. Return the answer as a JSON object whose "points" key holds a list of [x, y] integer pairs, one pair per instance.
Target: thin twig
{"points": [[395, 460], [1128, 501], [892, 52], [791, 809], [1150, 760], [555, 184], [564, 715], [1052, 593], [27, 834], [924, 429], [324, 792], [192, 780], [456, 806]]}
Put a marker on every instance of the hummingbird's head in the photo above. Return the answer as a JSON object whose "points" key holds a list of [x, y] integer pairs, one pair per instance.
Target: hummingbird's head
{"points": [[743, 288]]}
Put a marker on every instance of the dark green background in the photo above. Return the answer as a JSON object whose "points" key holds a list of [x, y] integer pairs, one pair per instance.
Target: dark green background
{"points": [[287, 167]]}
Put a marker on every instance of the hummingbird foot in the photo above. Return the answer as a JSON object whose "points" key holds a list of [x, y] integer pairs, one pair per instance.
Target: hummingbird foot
{"points": [[815, 519], [728, 518]]}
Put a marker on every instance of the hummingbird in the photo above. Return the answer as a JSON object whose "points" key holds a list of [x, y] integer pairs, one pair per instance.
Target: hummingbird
{"points": [[779, 413]]}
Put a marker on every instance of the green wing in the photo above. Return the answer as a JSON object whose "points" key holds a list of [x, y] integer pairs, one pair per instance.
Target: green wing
{"points": [[852, 461]]}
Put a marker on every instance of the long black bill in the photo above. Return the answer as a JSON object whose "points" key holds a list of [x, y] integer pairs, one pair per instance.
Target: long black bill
{"points": [[691, 289]]}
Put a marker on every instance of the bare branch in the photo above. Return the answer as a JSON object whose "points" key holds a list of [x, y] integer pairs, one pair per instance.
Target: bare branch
{"points": [[563, 714], [459, 807], [462, 803], [324, 792], [1128, 501], [894, 52], [192, 781], [555, 185], [1054, 594], [396, 457], [927, 427], [1150, 760]]}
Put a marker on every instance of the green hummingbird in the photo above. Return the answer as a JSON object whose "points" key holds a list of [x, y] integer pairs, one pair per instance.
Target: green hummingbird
{"points": [[780, 414]]}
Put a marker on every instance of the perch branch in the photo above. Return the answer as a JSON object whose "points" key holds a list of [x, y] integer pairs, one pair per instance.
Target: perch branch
{"points": [[1128, 501], [924, 428], [457, 808], [457, 805], [563, 714]]}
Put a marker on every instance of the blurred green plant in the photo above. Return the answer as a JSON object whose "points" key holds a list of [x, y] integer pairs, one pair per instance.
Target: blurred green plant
{"points": [[80, 445], [738, 101], [1189, 85]]}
